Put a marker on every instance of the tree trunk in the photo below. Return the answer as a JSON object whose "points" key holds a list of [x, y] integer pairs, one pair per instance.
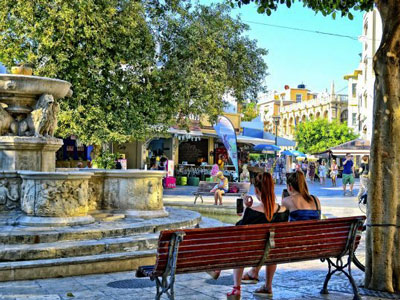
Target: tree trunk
{"points": [[383, 238]]}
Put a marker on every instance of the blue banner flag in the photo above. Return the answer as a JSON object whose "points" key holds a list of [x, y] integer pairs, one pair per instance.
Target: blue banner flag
{"points": [[227, 134]]}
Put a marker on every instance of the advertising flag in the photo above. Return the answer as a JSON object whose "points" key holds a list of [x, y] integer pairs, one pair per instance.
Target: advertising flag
{"points": [[227, 134]]}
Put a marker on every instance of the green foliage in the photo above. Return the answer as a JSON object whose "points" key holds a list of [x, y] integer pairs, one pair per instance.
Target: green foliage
{"points": [[103, 47], [319, 135], [106, 160], [133, 65], [325, 7], [205, 56], [250, 111]]}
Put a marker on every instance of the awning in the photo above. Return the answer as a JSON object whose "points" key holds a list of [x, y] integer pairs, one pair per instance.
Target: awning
{"points": [[282, 142], [266, 147], [255, 141], [183, 133], [355, 147]]}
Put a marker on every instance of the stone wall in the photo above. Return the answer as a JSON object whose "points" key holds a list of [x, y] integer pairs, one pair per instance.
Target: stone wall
{"points": [[75, 194], [55, 194]]}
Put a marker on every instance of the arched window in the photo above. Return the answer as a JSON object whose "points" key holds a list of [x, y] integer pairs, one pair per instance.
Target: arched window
{"points": [[344, 116]]}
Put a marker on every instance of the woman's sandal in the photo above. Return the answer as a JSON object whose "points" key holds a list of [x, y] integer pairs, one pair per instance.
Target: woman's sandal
{"points": [[263, 292], [248, 279], [234, 294]]}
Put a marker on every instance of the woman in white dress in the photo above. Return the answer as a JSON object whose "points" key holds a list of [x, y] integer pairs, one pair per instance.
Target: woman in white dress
{"points": [[322, 172]]}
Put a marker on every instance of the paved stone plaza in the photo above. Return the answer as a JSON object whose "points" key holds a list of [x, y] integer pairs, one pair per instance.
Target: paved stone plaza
{"points": [[292, 281]]}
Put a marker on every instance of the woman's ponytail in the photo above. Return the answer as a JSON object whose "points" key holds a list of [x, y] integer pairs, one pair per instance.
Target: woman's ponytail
{"points": [[297, 181], [265, 185]]}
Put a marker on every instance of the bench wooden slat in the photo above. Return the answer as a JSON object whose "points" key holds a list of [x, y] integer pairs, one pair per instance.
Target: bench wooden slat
{"points": [[227, 263], [237, 237], [300, 225], [196, 246], [243, 255]]}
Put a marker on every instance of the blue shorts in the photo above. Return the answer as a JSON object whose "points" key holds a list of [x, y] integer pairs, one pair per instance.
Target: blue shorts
{"points": [[222, 189]]}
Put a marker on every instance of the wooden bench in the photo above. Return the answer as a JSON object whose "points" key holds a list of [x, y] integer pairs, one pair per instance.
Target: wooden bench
{"points": [[205, 187], [219, 248]]}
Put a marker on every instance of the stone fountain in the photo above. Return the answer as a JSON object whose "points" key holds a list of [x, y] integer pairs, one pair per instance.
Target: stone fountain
{"points": [[57, 223], [29, 181], [28, 119]]}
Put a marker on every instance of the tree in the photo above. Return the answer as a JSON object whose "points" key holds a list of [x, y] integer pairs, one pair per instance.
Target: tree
{"points": [[204, 57], [319, 135], [250, 111], [104, 48], [383, 234], [136, 67]]}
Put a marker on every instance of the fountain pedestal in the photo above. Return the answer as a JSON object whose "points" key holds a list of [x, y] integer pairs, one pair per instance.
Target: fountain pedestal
{"points": [[28, 153]]}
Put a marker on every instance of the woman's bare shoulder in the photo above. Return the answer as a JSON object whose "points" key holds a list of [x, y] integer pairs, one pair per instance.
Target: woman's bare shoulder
{"points": [[287, 201]]}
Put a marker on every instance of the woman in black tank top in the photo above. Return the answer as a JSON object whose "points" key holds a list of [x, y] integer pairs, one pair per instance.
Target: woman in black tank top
{"points": [[267, 211]]}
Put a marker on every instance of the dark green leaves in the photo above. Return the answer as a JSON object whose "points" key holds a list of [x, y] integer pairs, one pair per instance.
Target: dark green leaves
{"points": [[325, 7], [133, 65]]}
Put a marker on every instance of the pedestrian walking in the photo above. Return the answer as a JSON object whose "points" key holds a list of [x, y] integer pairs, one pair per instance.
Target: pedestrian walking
{"points": [[311, 171], [304, 166], [322, 172], [364, 176], [334, 172], [348, 174]]}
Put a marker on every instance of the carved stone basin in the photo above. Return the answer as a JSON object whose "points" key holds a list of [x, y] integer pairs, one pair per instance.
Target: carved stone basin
{"points": [[20, 92], [54, 194]]}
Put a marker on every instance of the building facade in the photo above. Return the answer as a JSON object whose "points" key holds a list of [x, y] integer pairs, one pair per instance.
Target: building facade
{"points": [[296, 105], [361, 82]]}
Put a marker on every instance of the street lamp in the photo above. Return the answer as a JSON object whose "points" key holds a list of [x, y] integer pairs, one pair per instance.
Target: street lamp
{"points": [[276, 122]]}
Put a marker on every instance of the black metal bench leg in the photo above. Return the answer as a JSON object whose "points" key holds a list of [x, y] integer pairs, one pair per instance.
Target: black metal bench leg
{"points": [[201, 197], [195, 198], [340, 267], [351, 279], [324, 289], [166, 284], [158, 285]]}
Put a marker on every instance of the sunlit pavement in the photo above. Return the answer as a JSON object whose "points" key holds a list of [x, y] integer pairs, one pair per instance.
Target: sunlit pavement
{"points": [[292, 281]]}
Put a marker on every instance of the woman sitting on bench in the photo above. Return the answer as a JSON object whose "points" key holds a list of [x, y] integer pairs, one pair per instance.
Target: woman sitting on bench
{"points": [[220, 188], [266, 211], [302, 206]]}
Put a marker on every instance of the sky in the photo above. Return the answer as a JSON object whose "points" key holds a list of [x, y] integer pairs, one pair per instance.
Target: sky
{"points": [[297, 57]]}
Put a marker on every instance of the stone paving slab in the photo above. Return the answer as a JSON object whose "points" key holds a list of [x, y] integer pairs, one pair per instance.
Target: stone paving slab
{"points": [[292, 281]]}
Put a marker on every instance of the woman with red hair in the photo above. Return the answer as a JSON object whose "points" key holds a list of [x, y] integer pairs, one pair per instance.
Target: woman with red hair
{"points": [[265, 211]]}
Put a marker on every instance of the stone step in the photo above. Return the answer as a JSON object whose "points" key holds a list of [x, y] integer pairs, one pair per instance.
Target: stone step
{"points": [[23, 252], [141, 242], [177, 218], [72, 266], [80, 264]]}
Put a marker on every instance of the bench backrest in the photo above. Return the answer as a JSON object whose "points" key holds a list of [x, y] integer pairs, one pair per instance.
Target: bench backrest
{"points": [[206, 186], [243, 246]]}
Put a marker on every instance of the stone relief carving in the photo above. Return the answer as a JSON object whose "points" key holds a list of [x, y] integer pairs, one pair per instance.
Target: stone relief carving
{"points": [[28, 196], [9, 195], [61, 198], [26, 161], [111, 194], [95, 190], [42, 121]]}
